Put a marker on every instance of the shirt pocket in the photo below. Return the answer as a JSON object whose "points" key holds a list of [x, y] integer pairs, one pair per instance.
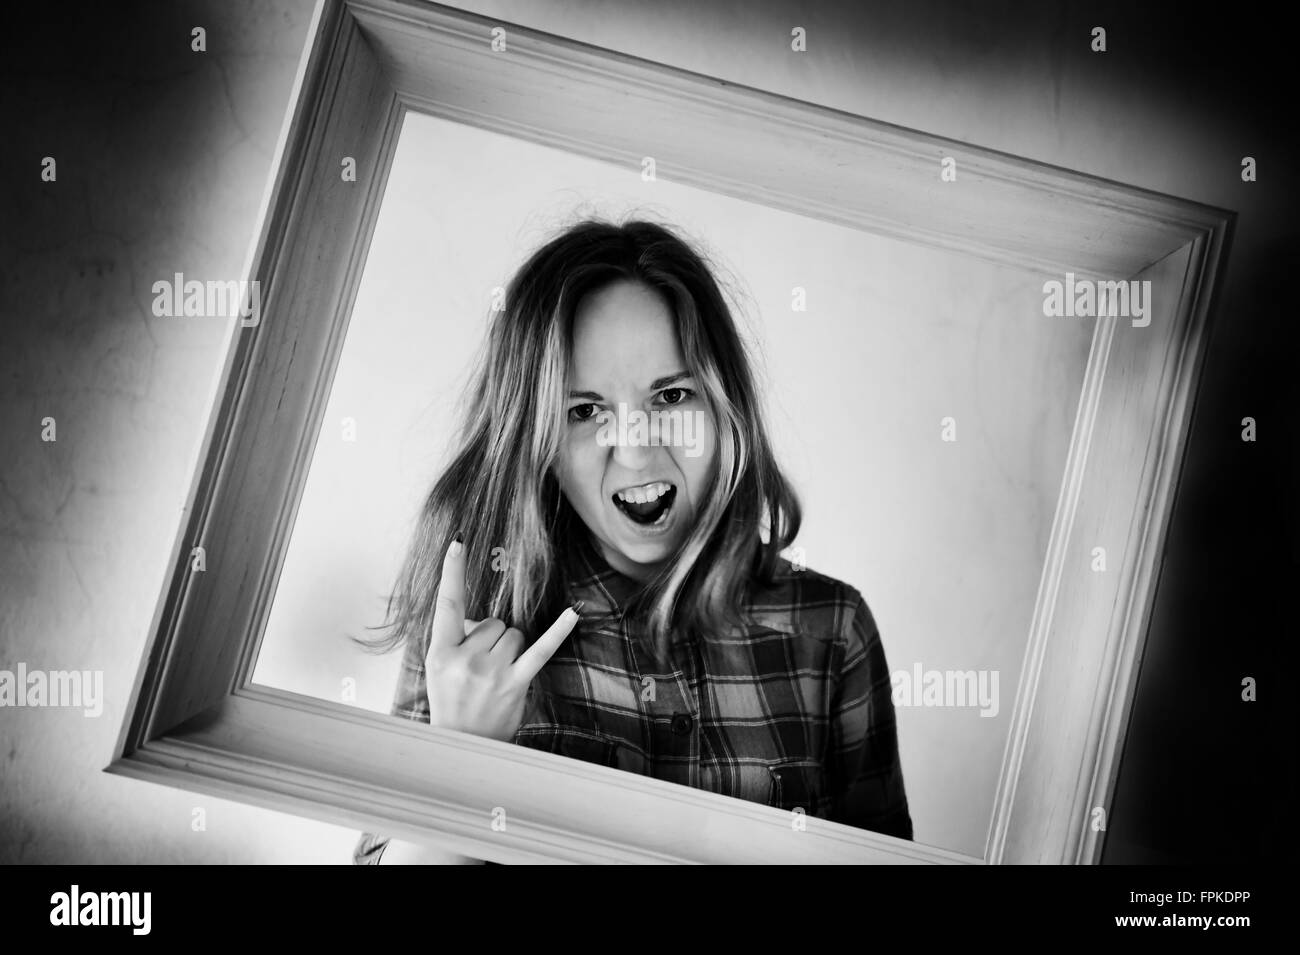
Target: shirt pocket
{"points": [[798, 784], [566, 741]]}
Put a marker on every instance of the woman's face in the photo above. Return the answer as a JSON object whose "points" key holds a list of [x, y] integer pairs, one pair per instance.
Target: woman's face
{"points": [[639, 444]]}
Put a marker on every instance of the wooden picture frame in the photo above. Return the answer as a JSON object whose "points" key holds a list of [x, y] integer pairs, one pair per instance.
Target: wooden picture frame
{"points": [[196, 722]]}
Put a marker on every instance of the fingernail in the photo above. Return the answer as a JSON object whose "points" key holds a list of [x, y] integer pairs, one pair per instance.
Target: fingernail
{"points": [[577, 606], [456, 544]]}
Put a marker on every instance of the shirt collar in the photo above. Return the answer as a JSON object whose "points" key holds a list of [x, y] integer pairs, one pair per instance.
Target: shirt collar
{"points": [[607, 593], [592, 580]]}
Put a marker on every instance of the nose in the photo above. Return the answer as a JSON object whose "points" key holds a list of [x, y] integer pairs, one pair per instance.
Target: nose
{"points": [[632, 448], [632, 457]]}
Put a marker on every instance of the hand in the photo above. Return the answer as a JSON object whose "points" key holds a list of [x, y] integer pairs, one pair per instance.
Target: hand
{"points": [[474, 681]]}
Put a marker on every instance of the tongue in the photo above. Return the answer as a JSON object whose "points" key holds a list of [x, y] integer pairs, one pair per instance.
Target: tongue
{"points": [[647, 513]]}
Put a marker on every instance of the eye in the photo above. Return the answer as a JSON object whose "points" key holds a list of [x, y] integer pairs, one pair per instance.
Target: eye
{"points": [[583, 412], [675, 396]]}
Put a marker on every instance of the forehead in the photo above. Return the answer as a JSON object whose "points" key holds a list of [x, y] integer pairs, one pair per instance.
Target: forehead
{"points": [[623, 333]]}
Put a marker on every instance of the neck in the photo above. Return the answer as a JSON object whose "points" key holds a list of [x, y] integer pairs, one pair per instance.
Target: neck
{"points": [[641, 573]]}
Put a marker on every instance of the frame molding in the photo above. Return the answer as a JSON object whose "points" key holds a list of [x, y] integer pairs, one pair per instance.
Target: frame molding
{"points": [[197, 722]]}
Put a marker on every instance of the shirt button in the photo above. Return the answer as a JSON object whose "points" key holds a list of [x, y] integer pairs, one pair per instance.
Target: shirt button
{"points": [[681, 724]]}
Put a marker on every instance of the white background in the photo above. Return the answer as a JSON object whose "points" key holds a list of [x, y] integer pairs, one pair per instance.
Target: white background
{"points": [[945, 540]]}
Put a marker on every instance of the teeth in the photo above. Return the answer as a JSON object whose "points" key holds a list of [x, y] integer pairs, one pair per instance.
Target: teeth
{"points": [[645, 494]]}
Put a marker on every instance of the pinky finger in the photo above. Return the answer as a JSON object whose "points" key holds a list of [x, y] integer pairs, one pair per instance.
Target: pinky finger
{"points": [[535, 657]]}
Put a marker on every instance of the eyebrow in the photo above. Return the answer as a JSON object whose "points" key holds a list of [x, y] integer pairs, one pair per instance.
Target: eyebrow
{"points": [[655, 385], [667, 380]]}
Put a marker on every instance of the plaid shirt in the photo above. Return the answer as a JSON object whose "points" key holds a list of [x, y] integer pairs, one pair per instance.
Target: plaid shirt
{"points": [[794, 710]]}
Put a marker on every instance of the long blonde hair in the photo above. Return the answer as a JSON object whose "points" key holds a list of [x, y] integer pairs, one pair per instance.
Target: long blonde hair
{"points": [[500, 490]]}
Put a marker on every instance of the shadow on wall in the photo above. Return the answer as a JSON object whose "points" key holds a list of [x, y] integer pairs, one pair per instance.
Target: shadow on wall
{"points": [[1207, 776]]}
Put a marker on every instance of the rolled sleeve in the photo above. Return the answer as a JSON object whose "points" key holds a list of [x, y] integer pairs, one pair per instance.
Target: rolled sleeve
{"points": [[369, 849], [410, 701], [863, 765]]}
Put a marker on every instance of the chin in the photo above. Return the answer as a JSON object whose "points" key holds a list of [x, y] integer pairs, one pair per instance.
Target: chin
{"points": [[648, 555]]}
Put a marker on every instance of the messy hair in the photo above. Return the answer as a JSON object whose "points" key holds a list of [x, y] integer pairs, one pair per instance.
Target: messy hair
{"points": [[500, 488]]}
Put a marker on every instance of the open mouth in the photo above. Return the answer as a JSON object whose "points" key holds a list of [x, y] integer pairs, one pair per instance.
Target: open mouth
{"points": [[647, 504]]}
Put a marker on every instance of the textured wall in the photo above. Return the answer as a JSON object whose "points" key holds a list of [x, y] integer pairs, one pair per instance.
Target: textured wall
{"points": [[163, 155]]}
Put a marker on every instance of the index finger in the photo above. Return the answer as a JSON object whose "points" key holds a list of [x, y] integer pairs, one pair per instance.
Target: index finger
{"points": [[532, 660], [448, 625]]}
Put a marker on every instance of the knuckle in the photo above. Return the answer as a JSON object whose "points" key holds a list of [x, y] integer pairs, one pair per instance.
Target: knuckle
{"points": [[446, 663], [438, 663]]}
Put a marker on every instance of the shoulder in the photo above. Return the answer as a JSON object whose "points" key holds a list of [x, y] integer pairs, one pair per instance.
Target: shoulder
{"points": [[801, 600]]}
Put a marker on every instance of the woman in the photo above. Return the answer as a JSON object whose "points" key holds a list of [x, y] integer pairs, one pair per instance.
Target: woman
{"points": [[622, 500]]}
